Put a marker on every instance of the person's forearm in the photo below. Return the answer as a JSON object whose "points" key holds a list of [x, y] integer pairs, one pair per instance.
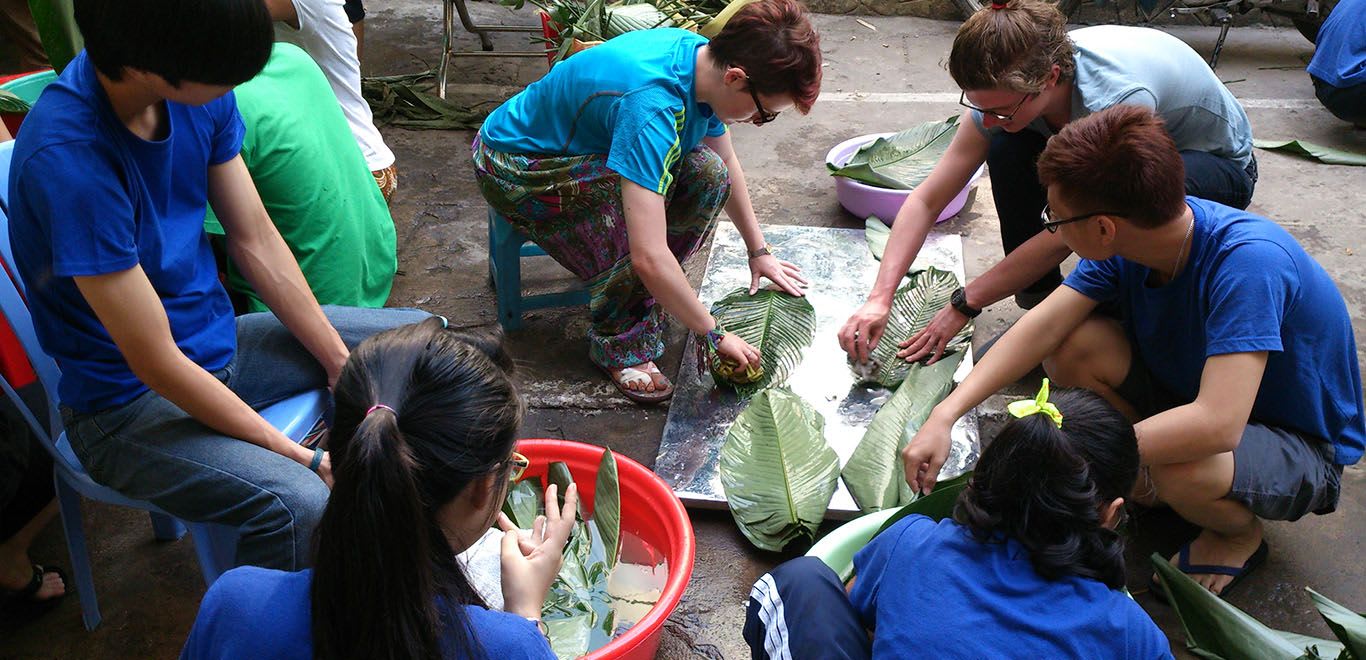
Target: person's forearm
{"points": [[741, 209], [664, 278], [1186, 433], [267, 263], [1022, 267], [912, 225]]}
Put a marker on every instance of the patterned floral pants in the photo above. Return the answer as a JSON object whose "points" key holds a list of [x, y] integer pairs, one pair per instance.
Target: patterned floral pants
{"points": [[571, 207]]}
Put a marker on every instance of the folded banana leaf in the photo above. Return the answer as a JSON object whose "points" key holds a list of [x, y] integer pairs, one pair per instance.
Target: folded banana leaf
{"points": [[523, 503], [607, 506], [1217, 630], [874, 473], [777, 470], [1347, 626], [780, 326], [1328, 155], [902, 161], [913, 307]]}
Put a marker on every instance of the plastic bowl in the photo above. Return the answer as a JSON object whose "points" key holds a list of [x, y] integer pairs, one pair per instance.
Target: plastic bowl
{"points": [[26, 87], [650, 510], [837, 549], [864, 200]]}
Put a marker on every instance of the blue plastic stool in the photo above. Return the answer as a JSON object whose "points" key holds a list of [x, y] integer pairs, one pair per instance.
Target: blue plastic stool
{"points": [[507, 247]]}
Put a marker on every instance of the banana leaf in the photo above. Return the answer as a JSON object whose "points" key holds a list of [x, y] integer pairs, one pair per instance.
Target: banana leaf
{"points": [[876, 232], [902, 161], [558, 474], [1216, 629], [523, 502], [1348, 626], [874, 473], [938, 504], [578, 609], [715, 25], [1328, 155], [777, 470], [10, 103], [398, 101], [780, 326], [913, 307], [607, 507], [56, 22]]}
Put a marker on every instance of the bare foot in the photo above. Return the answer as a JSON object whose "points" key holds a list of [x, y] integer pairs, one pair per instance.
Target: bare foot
{"points": [[1214, 549]]}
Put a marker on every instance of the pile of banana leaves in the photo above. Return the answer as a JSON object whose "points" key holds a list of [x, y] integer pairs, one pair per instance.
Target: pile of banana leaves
{"points": [[578, 611], [599, 20]]}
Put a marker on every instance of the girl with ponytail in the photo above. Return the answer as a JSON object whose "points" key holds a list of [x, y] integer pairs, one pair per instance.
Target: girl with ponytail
{"points": [[422, 453], [1030, 565]]}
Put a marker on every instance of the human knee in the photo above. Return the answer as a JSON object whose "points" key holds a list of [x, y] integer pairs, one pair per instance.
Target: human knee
{"points": [[1094, 353], [1185, 482]]}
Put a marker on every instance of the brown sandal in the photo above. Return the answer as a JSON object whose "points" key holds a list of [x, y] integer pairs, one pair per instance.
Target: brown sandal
{"points": [[633, 374]]}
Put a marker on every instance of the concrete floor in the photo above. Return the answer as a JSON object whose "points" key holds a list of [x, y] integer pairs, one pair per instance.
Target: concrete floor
{"points": [[150, 591]]}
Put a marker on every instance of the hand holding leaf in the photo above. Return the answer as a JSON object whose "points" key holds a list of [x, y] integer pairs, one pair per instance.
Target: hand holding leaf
{"points": [[531, 564], [933, 339], [925, 455]]}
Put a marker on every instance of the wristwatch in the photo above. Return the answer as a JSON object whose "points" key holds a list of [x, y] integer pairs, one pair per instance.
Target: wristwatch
{"points": [[959, 300], [766, 249]]}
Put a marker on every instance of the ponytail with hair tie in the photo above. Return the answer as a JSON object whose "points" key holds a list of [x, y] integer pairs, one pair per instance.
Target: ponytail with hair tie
{"points": [[998, 5]]}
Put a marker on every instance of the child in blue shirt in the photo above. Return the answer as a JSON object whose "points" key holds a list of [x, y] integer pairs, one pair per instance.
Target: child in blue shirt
{"points": [[618, 162], [1233, 350], [425, 428], [160, 383], [1338, 69], [1030, 565]]}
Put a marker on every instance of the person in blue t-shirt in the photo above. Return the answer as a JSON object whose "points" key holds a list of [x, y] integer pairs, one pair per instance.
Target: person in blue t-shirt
{"points": [[618, 161], [1030, 565], [426, 423], [1339, 65], [1233, 350], [160, 384], [1024, 77]]}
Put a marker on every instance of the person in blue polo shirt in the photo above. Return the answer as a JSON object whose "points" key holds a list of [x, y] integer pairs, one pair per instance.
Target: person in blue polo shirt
{"points": [[1339, 65], [618, 162], [1233, 350], [160, 383]]}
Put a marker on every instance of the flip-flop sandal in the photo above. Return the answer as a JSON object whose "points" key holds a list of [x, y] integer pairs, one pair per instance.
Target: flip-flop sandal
{"points": [[1183, 563], [21, 606], [641, 376]]}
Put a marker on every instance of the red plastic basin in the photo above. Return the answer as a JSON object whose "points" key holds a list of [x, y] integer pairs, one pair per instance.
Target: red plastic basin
{"points": [[649, 510]]}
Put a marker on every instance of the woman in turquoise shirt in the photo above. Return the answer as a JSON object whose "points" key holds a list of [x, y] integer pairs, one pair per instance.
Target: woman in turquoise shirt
{"points": [[619, 160]]}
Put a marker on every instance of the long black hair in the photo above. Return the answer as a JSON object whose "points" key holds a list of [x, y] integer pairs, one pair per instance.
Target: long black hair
{"points": [[383, 567], [1045, 486]]}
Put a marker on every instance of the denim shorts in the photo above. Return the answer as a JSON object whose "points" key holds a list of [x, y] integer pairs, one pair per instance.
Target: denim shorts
{"points": [[1278, 473]]}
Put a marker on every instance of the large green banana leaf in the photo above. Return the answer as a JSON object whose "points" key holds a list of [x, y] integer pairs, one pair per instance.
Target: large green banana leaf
{"points": [[56, 22], [607, 506], [1216, 629], [876, 232], [938, 504], [1329, 155], [1347, 626], [873, 473], [902, 161], [913, 306], [779, 325], [578, 610], [777, 470]]}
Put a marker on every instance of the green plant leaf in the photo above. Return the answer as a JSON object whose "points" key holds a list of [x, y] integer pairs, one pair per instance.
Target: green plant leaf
{"points": [[1348, 626], [876, 232], [1315, 648], [569, 635], [780, 326], [715, 25], [873, 473], [902, 161], [56, 22], [1216, 629], [777, 470], [913, 307], [938, 504], [558, 474], [1329, 155], [523, 503], [10, 103], [607, 507]]}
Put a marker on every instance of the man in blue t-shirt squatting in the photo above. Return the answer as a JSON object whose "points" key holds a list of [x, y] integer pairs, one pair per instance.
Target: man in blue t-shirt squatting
{"points": [[160, 384], [1228, 345]]}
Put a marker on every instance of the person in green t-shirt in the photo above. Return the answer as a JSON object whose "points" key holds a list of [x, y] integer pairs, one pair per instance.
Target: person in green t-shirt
{"points": [[315, 184]]}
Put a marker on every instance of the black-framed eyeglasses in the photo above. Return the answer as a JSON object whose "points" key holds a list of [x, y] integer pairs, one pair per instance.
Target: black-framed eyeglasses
{"points": [[764, 116], [963, 101], [1052, 222]]}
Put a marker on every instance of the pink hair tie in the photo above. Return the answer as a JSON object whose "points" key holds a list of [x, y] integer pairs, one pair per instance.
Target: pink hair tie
{"points": [[380, 406], [998, 5]]}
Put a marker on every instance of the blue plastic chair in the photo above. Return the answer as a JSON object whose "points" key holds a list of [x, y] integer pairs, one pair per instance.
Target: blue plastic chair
{"points": [[507, 247], [216, 545]]}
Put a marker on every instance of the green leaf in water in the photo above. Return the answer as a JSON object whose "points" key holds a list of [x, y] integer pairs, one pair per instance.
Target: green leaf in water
{"points": [[874, 473], [523, 503], [777, 470], [1348, 626], [913, 307], [779, 325], [902, 161], [607, 507], [1328, 155]]}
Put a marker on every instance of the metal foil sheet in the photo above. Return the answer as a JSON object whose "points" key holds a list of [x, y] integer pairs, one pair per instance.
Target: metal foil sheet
{"points": [[841, 271]]}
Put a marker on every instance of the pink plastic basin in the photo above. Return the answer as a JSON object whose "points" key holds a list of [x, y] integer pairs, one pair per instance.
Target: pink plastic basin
{"points": [[649, 510], [864, 200]]}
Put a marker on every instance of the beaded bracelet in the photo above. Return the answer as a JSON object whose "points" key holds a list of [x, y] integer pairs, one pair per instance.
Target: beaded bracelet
{"points": [[714, 337]]}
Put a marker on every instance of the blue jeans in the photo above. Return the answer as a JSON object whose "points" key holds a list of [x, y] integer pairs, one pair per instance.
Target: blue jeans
{"points": [[149, 449]]}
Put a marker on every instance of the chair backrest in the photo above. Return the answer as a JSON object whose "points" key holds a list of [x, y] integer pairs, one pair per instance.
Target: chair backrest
{"points": [[6, 154]]}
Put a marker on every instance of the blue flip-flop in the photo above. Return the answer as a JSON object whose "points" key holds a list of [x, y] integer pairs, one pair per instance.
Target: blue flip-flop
{"points": [[1183, 563]]}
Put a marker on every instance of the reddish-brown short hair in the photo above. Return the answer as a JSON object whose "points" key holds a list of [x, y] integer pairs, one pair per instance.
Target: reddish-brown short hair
{"points": [[1120, 159], [776, 45]]}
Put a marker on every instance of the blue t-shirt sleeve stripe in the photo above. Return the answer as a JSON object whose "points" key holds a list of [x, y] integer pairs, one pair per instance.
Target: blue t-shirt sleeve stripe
{"points": [[645, 150]]}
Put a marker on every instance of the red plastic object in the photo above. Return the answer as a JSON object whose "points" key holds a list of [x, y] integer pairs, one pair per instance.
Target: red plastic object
{"points": [[650, 510], [551, 32]]}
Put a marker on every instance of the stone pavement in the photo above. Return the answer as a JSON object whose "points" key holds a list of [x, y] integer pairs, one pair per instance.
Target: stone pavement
{"points": [[150, 591]]}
